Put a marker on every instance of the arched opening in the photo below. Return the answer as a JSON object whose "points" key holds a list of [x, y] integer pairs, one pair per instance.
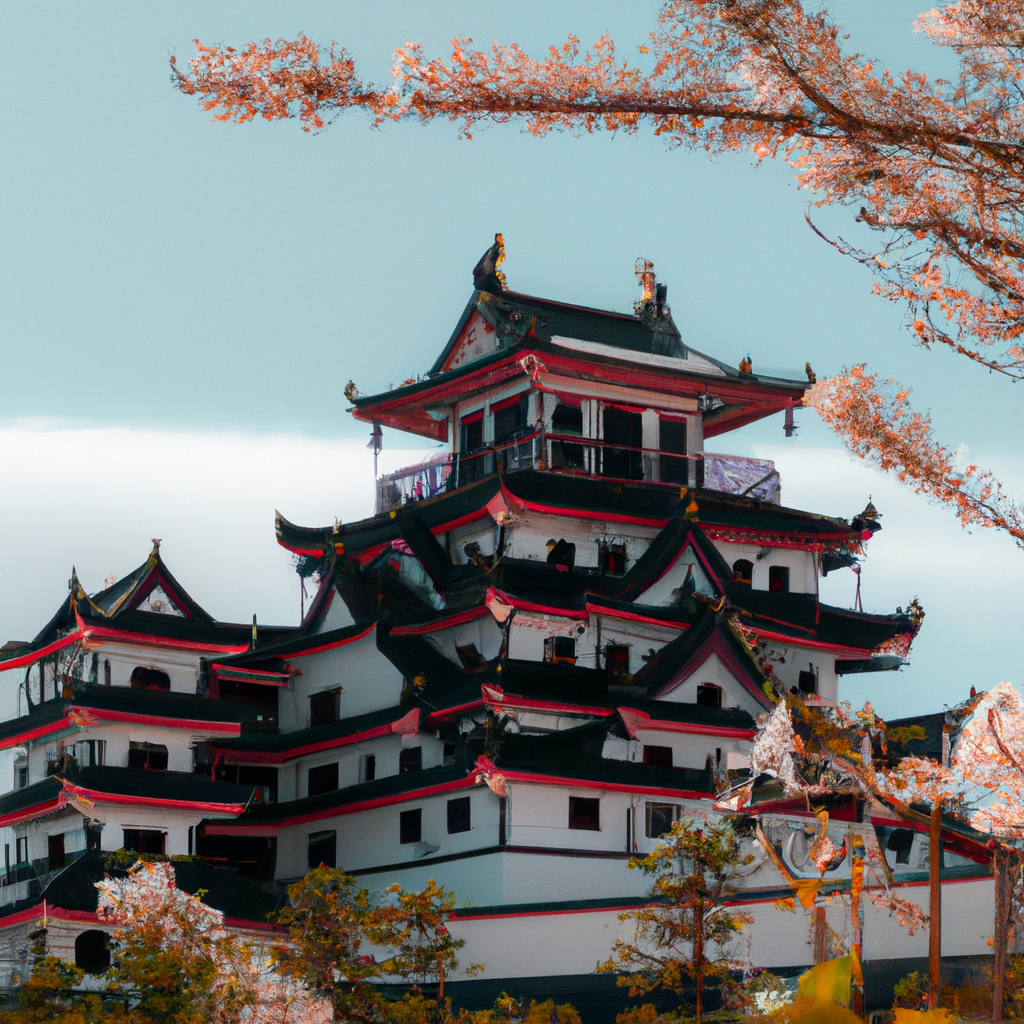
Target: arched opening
{"points": [[92, 954], [743, 571], [149, 679]]}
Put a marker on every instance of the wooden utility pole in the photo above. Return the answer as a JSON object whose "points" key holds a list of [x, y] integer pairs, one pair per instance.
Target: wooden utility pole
{"points": [[934, 904]]}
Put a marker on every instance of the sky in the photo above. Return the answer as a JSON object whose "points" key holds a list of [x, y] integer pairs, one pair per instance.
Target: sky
{"points": [[183, 302]]}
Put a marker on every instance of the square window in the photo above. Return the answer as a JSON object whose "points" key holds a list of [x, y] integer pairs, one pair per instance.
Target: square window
{"points": [[410, 759], [807, 682], [585, 813], [323, 779], [660, 757], [458, 815], [324, 707], [709, 695], [150, 756], [611, 558], [323, 849], [410, 825], [560, 650], [660, 819], [144, 840]]}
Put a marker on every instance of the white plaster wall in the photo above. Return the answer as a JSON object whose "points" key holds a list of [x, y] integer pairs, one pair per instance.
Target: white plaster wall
{"points": [[338, 616], [735, 694], [529, 537], [483, 631], [691, 750], [539, 816], [641, 638], [802, 564]]}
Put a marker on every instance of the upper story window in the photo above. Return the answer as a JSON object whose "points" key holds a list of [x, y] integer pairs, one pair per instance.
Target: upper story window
{"points": [[509, 417], [611, 558], [743, 571], [659, 757], [410, 826], [672, 444], [709, 695], [559, 650], [585, 813], [324, 707], [623, 440], [151, 756], [471, 432], [322, 850], [149, 679], [561, 552], [807, 682], [616, 658], [410, 759], [567, 421], [322, 779], [458, 815], [778, 579]]}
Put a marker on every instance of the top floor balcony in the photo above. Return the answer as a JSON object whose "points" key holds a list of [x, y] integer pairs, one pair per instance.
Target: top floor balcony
{"points": [[578, 456]]}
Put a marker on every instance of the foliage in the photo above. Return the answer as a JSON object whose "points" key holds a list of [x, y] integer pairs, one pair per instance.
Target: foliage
{"points": [[932, 166], [684, 935], [50, 996]]}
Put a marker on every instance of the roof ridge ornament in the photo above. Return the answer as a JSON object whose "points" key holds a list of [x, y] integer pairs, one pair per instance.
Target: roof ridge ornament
{"points": [[486, 275]]}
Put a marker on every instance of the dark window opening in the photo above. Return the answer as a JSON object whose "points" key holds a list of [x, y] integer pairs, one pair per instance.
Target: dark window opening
{"points": [[472, 434], [410, 826], [660, 819], [55, 851], [22, 776], [559, 650], [672, 444], [807, 681], [660, 757], [449, 755], [149, 679], [567, 420], [561, 552], [625, 428], [144, 841], [410, 759], [901, 840], [21, 850], [458, 815], [743, 571], [778, 578], [323, 850], [611, 558], [106, 671], [509, 419], [616, 658], [367, 768], [93, 837], [585, 813], [709, 695], [92, 954], [502, 823], [149, 756], [322, 779], [324, 708]]}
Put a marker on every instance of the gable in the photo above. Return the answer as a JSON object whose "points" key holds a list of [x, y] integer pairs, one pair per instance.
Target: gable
{"points": [[336, 615], [710, 667], [477, 339], [687, 575], [481, 634], [158, 601]]}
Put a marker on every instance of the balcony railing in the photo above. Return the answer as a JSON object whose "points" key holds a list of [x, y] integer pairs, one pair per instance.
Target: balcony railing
{"points": [[579, 456]]}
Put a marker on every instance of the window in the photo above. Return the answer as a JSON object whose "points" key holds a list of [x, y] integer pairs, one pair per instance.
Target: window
{"points": [[616, 658], [623, 436], [672, 443], [709, 695], [149, 679], [778, 579], [660, 819], [367, 768], [22, 776], [55, 851], [449, 755], [509, 416], [21, 850], [611, 558], [94, 837], [92, 954], [660, 757], [743, 571], [144, 840], [410, 759], [323, 849], [106, 671], [900, 842], [471, 431], [458, 815], [560, 650], [808, 681], [322, 779], [585, 813], [567, 420], [91, 753], [324, 707], [151, 756], [410, 826], [561, 552]]}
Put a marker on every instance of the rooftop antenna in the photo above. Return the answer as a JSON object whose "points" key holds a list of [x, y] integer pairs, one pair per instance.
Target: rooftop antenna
{"points": [[376, 443]]}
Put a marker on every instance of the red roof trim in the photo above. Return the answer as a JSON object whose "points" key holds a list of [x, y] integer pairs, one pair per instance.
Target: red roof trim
{"points": [[44, 730], [511, 701], [198, 725], [611, 787], [800, 641], [26, 813], [148, 801], [439, 624], [527, 606], [337, 643], [42, 652], [444, 714], [635, 720], [109, 633], [615, 613]]}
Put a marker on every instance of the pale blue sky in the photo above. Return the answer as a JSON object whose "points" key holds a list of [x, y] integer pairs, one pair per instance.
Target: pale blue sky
{"points": [[162, 273]]}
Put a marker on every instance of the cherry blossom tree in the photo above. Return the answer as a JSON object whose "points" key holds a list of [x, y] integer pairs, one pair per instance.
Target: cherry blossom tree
{"points": [[933, 167]]}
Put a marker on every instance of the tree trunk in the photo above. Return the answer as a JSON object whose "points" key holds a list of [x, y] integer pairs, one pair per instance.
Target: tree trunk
{"points": [[934, 905], [698, 955], [1000, 937]]}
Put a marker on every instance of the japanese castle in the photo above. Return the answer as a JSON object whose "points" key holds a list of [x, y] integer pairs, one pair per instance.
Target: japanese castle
{"points": [[546, 645]]}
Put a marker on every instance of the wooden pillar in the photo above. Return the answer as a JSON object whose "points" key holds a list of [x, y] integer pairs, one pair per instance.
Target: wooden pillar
{"points": [[820, 933], [934, 904]]}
